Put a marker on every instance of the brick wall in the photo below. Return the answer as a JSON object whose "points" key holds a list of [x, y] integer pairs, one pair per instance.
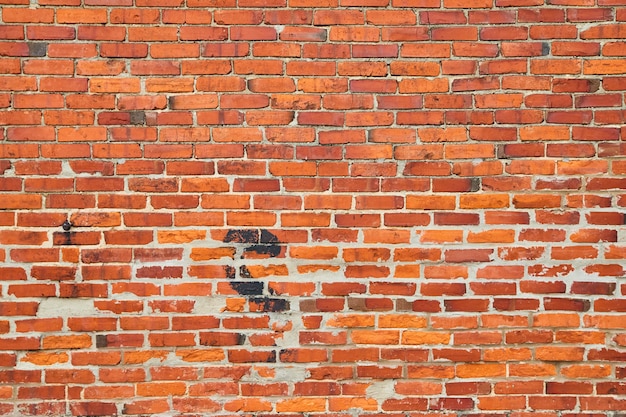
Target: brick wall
{"points": [[313, 208]]}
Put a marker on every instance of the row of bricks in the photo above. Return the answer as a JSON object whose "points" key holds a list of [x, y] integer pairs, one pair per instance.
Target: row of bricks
{"points": [[45, 275], [436, 175], [352, 32], [501, 304], [415, 407], [335, 338], [276, 135], [468, 177], [465, 347], [306, 388], [343, 51], [538, 282], [411, 90], [284, 109], [328, 254], [108, 270], [485, 406], [375, 303], [370, 225], [371, 235], [213, 75], [351, 78], [366, 221], [451, 4], [397, 44], [466, 342], [23, 114], [516, 358], [333, 210], [269, 142], [430, 289], [442, 159], [330, 116], [491, 108], [337, 202], [335, 145], [596, 370], [341, 394], [490, 176], [234, 52], [235, 314], [303, 16], [488, 328]]}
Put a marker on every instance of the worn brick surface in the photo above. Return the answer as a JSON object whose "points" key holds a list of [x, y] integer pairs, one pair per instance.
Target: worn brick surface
{"points": [[330, 208]]}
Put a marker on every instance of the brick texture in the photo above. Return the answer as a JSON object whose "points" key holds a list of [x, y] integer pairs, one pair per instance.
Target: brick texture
{"points": [[329, 208]]}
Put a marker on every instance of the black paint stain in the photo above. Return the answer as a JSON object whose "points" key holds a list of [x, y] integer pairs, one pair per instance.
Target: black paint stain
{"points": [[247, 287], [271, 251], [243, 271], [268, 237], [231, 272], [101, 341], [475, 185], [63, 238], [271, 304], [260, 243], [37, 49], [137, 117], [242, 236]]}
